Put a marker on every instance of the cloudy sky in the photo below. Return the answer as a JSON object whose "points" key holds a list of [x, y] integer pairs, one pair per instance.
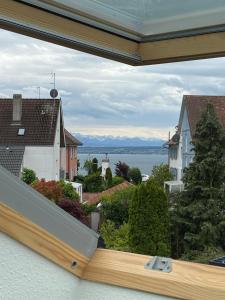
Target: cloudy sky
{"points": [[101, 97]]}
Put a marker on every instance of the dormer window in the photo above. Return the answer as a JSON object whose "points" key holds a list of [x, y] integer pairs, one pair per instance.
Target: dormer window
{"points": [[21, 131]]}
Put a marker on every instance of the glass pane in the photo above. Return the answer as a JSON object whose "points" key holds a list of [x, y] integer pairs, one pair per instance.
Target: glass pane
{"points": [[142, 17]]}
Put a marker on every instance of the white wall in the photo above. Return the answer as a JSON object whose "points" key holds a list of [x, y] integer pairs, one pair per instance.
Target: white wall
{"points": [[45, 160], [177, 163], [25, 275], [41, 160], [57, 149]]}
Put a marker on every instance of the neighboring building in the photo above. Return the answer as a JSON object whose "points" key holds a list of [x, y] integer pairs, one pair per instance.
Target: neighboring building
{"points": [[32, 136], [180, 149], [105, 165], [71, 155]]}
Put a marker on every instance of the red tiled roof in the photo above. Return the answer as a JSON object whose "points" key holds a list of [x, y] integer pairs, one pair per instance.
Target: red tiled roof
{"points": [[71, 140], [196, 105], [39, 118], [93, 198]]}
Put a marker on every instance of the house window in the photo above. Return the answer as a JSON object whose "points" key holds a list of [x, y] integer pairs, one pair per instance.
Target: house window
{"points": [[21, 131]]}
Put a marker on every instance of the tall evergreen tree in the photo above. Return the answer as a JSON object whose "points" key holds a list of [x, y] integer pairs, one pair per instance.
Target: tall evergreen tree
{"points": [[201, 212], [149, 221]]}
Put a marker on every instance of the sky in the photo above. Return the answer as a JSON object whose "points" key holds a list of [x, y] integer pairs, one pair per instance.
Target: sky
{"points": [[102, 97]]}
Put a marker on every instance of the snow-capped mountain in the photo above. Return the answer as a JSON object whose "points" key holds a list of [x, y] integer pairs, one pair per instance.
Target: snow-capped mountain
{"points": [[110, 141]]}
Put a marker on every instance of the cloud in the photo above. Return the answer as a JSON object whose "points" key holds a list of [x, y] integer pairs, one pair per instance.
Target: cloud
{"points": [[103, 97]]}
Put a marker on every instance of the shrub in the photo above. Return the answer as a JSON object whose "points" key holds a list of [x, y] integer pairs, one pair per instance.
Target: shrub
{"points": [[94, 165], [116, 239], [89, 208], [121, 170], [50, 189], [149, 221], [161, 173], [68, 190], [28, 176], [93, 183], [74, 208], [134, 175], [108, 177], [117, 180], [115, 207]]}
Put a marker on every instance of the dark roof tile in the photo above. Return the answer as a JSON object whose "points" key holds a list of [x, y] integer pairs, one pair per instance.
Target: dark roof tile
{"points": [[11, 158], [39, 119]]}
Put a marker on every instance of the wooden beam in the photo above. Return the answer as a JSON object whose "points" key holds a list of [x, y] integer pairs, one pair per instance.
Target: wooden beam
{"points": [[186, 281], [37, 23], [39, 240], [180, 49]]}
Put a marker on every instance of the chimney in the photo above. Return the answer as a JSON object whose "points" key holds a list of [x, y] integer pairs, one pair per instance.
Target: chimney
{"points": [[17, 108]]}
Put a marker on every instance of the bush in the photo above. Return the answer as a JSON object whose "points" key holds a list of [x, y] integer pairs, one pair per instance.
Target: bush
{"points": [[149, 221], [89, 208], [74, 208], [117, 180], [68, 190], [204, 256], [94, 165], [93, 183], [28, 176], [50, 189], [134, 175], [108, 177], [115, 207], [116, 239], [161, 173]]}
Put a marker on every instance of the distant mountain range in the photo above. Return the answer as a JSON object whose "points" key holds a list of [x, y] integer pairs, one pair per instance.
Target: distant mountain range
{"points": [[110, 141]]}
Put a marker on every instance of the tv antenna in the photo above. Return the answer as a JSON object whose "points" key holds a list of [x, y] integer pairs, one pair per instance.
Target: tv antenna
{"points": [[53, 93]]}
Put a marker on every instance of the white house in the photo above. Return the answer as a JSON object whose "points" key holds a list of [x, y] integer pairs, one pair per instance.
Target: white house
{"points": [[32, 136], [180, 151]]}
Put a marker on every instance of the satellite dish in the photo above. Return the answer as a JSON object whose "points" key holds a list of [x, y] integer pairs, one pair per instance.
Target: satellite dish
{"points": [[53, 93]]}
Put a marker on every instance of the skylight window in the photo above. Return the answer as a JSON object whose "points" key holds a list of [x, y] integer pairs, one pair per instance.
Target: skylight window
{"points": [[21, 131]]}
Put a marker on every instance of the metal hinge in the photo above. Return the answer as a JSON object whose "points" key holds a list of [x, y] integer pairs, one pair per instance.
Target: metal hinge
{"points": [[157, 263]]}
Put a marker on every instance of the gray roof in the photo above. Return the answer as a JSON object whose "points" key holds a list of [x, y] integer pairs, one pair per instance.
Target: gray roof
{"points": [[25, 200], [11, 158]]}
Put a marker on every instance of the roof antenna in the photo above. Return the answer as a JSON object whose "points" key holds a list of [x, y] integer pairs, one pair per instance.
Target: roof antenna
{"points": [[53, 94]]}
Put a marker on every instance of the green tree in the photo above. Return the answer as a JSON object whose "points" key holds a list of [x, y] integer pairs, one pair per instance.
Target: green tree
{"points": [[134, 175], [94, 165], [115, 206], [161, 173], [68, 190], [88, 166], [28, 176], [93, 183], [108, 177], [149, 221], [121, 170], [202, 205], [115, 238]]}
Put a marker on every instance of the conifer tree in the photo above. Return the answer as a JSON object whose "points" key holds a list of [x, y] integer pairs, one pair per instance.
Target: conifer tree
{"points": [[202, 204], [149, 221]]}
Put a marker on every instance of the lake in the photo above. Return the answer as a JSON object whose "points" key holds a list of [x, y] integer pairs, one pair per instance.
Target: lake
{"points": [[144, 158]]}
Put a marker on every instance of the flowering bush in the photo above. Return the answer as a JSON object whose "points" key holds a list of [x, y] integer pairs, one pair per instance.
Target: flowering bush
{"points": [[50, 189]]}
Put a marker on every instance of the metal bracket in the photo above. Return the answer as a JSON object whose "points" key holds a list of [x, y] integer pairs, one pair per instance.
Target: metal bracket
{"points": [[158, 263]]}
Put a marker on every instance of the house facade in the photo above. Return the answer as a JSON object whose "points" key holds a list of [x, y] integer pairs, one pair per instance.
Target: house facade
{"points": [[180, 149], [36, 127], [71, 155]]}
